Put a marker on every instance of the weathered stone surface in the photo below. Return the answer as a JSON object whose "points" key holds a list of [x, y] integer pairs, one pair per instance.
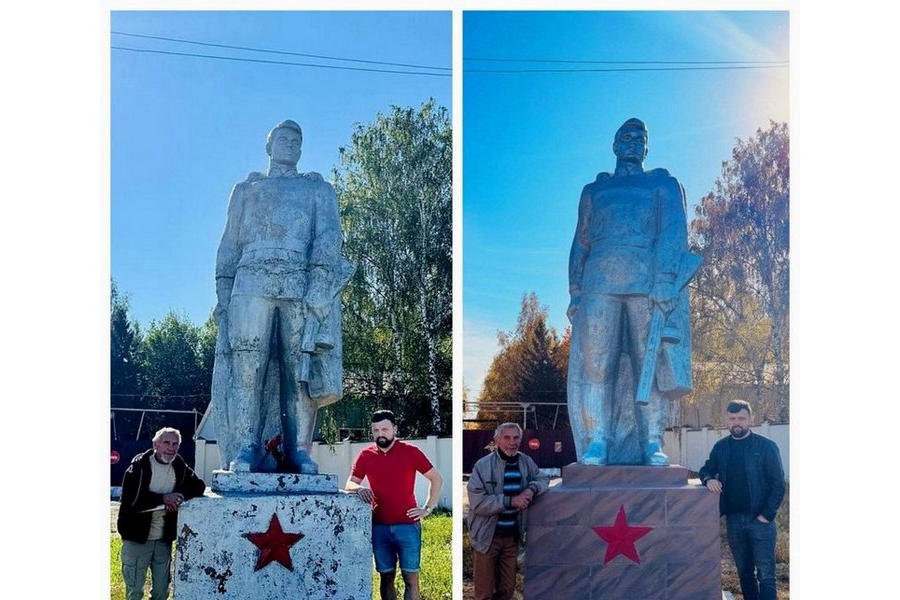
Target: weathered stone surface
{"points": [[332, 560], [679, 558], [272, 483]]}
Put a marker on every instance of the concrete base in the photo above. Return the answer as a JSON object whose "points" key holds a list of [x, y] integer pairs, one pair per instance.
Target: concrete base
{"points": [[272, 483], [240, 546], [618, 532]]}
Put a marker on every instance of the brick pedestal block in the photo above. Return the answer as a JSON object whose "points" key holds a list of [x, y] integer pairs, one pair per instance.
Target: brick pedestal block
{"points": [[624, 533], [288, 546]]}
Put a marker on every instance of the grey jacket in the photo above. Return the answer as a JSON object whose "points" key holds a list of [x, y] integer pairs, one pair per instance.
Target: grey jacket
{"points": [[486, 498]]}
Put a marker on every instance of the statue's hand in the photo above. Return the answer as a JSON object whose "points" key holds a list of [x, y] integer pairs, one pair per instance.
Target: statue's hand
{"points": [[664, 295], [573, 308], [319, 310]]}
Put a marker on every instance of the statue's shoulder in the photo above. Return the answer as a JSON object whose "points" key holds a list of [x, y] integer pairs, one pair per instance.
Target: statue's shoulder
{"points": [[253, 177], [313, 177], [659, 173], [601, 179]]}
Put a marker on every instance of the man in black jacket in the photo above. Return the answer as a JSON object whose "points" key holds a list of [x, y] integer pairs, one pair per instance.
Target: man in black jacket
{"points": [[745, 471], [156, 483]]}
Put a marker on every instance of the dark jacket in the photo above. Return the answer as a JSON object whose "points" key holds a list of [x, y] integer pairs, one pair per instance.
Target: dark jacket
{"points": [[133, 524], [764, 471]]}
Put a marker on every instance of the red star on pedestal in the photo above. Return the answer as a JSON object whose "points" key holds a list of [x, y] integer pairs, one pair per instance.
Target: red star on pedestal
{"points": [[620, 538], [274, 544]]}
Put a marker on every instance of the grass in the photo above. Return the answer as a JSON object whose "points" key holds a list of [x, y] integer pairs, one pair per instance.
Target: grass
{"points": [[436, 572], [434, 578]]}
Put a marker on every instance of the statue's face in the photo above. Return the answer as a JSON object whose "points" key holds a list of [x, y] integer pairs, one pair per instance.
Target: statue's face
{"points": [[631, 145], [285, 147]]}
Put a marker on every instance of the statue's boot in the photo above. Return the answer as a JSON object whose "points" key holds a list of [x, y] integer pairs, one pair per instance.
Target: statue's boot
{"points": [[302, 462], [246, 460], [653, 454], [596, 453]]}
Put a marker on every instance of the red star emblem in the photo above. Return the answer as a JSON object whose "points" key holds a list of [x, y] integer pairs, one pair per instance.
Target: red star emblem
{"points": [[274, 544], [620, 538]]}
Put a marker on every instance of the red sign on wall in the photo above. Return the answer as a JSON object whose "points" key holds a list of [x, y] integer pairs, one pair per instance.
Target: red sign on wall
{"points": [[534, 443], [113, 457]]}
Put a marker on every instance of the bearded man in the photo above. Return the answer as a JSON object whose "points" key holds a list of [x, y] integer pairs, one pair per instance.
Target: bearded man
{"points": [[390, 467]]}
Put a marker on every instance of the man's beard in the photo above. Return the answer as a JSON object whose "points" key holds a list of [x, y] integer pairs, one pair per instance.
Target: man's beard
{"points": [[383, 442], [738, 431]]}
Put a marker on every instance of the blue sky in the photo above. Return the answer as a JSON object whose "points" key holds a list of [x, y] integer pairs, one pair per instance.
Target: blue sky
{"points": [[532, 140], [185, 129]]}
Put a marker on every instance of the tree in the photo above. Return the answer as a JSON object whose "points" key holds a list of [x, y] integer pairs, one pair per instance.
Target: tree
{"points": [[394, 193], [177, 360], [125, 341], [170, 367], [529, 368], [740, 296]]}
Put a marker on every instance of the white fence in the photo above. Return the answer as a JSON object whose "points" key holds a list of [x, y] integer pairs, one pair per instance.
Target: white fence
{"points": [[339, 461], [690, 447]]}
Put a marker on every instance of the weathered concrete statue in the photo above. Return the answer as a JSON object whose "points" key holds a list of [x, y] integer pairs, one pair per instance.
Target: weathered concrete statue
{"points": [[279, 274], [628, 271]]}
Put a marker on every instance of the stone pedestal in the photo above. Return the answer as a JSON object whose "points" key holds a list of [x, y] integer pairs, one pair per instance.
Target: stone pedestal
{"points": [[266, 536], [623, 533]]}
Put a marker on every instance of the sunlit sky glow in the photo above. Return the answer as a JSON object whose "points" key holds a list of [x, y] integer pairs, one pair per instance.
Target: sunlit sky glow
{"points": [[532, 140]]}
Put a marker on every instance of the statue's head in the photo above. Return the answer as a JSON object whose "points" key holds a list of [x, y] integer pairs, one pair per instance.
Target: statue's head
{"points": [[283, 143], [631, 141]]}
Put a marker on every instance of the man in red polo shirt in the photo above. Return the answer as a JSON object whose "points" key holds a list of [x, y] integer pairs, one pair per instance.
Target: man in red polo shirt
{"points": [[390, 467]]}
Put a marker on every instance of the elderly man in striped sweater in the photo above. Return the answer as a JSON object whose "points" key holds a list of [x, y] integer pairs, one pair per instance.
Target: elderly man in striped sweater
{"points": [[502, 486]]}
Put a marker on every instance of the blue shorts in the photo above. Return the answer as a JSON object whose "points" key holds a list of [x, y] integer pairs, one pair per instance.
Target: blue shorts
{"points": [[393, 542]]}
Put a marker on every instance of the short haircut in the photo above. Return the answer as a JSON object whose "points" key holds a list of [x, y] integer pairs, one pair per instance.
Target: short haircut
{"points": [[736, 406], [503, 426], [381, 415], [158, 435]]}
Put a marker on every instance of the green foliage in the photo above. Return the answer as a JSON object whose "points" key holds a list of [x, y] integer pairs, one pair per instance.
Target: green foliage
{"points": [[125, 343], [740, 297], [116, 584], [169, 367], [394, 194], [173, 361], [530, 367]]}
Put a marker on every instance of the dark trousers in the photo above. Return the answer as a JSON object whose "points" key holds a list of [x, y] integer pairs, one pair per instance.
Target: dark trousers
{"points": [[495, 570], [752, 545]]}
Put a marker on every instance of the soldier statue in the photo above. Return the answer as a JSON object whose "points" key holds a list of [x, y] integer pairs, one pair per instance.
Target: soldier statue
{"points": [[279, 274], [628, 271]]}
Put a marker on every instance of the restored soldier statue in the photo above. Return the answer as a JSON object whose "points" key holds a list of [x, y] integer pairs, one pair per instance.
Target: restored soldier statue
{"points": [[279, 274], [630, 347]]}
